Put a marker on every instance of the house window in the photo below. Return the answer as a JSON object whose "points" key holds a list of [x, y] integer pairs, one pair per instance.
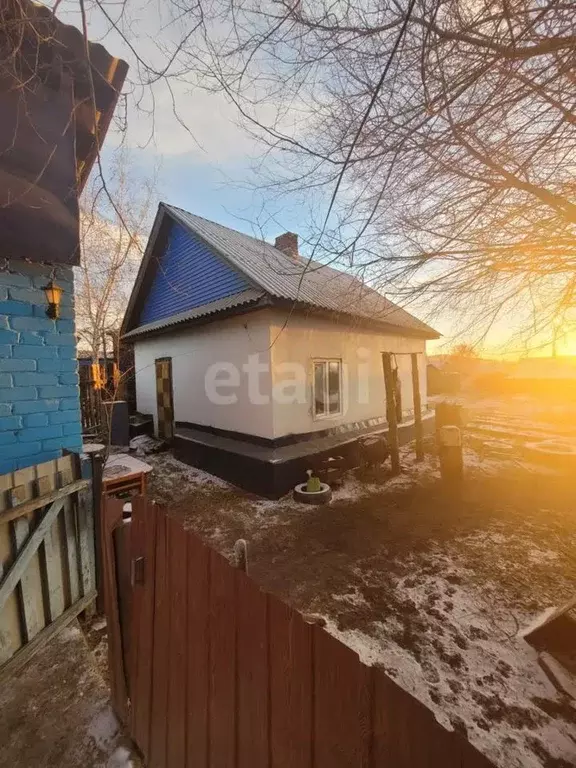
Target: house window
{"points": [[327, 388]]}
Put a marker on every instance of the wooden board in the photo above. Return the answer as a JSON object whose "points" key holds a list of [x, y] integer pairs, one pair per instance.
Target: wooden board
{"points": [[143, 544], [222, 703], [35, 481], [51, 568], [177, 650], [158, 724], [71, 548], [29, 586], [198, 668], [253, 675], [290, 688], [342, 705], [10, 632], [406, 733]]}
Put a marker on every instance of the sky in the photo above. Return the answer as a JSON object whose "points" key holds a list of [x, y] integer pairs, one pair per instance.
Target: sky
{"points": [[208, 167], [205, 168]]}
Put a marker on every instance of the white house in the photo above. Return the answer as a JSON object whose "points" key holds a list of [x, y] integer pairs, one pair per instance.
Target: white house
{"points": [[255, 361]]}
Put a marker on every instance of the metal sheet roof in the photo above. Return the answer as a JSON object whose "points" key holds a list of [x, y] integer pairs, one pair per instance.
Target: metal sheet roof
{"points": [[284, 277], [250, 296]]}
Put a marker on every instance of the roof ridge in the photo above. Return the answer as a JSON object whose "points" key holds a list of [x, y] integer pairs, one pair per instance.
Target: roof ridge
{"points": [[224, 226]]}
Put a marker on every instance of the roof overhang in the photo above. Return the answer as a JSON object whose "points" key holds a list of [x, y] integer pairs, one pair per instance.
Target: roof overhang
{"points": [[51, 130], [350, 321], [239, 303]]}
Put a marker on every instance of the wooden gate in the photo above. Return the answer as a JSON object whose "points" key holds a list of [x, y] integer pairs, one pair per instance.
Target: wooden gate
{"points": [[47, 574], [222, 675]]}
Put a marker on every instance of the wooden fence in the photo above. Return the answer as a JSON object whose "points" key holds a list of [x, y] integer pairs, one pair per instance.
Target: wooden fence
{"points": [[90, 406], [46, 556], [222, 675]]}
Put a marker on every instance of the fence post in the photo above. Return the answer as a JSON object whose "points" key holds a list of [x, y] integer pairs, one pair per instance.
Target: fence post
{"points": [[391, 415], [417, 408], [96, 469]]}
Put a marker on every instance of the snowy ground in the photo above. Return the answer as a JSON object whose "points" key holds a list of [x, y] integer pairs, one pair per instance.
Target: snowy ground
{"points": [[56, 712], [432, 584]]}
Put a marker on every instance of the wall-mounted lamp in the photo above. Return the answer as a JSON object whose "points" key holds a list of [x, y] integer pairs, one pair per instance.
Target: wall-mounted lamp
{"points": [[53, 295]]}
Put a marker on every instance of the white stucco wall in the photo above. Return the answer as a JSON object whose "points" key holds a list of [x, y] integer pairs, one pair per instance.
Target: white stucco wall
{"points": [[308, 337], [223, 343], [266, 402]]}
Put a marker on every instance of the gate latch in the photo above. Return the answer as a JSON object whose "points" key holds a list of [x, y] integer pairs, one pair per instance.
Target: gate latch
{"points": [[137, 571]]}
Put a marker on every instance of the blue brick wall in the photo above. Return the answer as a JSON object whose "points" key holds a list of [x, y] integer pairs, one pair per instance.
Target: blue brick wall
{"points": [[39, 395]]}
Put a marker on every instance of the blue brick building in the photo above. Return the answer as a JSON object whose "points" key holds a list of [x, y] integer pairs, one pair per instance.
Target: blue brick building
{"points": [[39, 393]]}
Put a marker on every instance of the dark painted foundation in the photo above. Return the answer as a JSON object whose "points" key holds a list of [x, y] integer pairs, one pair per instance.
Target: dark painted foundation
{"points": [[266, 468]]}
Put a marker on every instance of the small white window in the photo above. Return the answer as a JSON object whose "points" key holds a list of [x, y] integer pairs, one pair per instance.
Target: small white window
{"points": [[327, 388]]}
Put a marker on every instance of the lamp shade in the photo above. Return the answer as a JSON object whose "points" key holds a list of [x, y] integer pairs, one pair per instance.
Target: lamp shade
{"points": [[53, 293]]}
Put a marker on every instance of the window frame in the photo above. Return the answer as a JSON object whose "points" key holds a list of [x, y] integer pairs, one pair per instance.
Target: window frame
{"points": [[325, 362]]}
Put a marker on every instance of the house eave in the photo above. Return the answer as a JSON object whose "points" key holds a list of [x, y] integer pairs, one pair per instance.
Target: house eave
{"points": [[350, 320], [179, 323]]}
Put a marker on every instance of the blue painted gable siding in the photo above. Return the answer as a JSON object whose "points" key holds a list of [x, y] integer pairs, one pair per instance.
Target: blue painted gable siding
{"points": [[39, 395], [188, 275]]}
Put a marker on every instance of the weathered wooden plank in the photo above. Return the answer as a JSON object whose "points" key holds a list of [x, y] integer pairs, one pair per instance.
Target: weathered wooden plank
{"points": [[23, 656], [83, 505], [342, 705], [222, 707], [253, 675], [290, 687], [42, 501], [198, 683], [142, 544], [6, 482], [71, 546], [158, 724], [26, 545], [419, 434], [66, 469], [24, 577], [10, 624], [51, 573], [177, 585]]}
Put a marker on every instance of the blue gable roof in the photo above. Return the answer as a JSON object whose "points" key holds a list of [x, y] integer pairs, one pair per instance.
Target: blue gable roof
{"points": [[188, 275]]}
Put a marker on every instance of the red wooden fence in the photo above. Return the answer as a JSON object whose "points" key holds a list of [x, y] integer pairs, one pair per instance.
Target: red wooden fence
{"points": [[223, 675]]}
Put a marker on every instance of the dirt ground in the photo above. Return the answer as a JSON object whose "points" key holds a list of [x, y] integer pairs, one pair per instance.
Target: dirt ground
{"points": [[56, 712], [431, 584]]}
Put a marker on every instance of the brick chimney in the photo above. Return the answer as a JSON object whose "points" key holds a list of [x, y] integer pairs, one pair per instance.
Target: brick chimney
{"points": [[288, 244]]}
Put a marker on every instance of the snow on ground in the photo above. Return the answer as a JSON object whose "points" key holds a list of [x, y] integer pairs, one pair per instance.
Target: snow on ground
{"points": [[432, 586], [467, 665]]}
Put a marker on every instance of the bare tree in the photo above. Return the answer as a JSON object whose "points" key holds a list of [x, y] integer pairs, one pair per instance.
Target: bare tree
{"points": [[112, 240], [454, 171]]}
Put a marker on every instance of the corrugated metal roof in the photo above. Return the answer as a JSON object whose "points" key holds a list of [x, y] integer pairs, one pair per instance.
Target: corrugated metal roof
{"points": [[312, 283], [243, 298]]}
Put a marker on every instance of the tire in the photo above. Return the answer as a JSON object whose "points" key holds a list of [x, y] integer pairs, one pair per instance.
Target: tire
{"points": [[322, 497]]}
